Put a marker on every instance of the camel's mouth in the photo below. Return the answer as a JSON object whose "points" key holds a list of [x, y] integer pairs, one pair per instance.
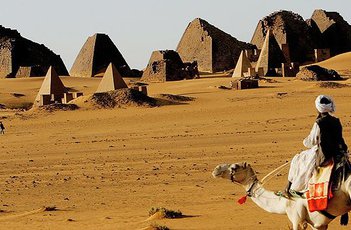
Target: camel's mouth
{"points": [[220, 170], [215, 173]]}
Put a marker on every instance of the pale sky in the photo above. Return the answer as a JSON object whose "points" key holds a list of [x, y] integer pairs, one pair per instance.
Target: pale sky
{"points": [[139, 27]]}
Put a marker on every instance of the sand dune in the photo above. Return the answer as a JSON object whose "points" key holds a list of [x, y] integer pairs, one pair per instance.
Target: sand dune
{"points": [[105, 168], [341, 63]]}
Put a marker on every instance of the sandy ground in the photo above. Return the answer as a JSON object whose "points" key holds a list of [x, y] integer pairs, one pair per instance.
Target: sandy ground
{"points": [[104, 169]]}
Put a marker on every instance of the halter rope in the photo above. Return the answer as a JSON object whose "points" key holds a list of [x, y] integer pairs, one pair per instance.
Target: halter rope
{"points": [[265, 179]]}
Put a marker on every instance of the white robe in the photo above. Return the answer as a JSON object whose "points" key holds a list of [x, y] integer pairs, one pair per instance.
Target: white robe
{"points": [[304, 163]]}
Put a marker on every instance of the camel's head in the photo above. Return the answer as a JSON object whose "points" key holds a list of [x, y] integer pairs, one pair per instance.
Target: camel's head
{"points": [[238, 172]]}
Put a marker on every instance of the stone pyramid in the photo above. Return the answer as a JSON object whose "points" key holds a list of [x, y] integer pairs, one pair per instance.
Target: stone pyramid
{"points": [[96, 54], [291, 32], [242, 65], [330, 30], [17, 51], [111, 80], [52, 84], [213, 49], [271, 56]]}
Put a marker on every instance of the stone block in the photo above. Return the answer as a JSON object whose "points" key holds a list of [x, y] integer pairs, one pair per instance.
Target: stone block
{"points": [[247, 84]]}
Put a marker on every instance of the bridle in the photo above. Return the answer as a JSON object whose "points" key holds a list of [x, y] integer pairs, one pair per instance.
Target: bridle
{"points": [[249, 192]]}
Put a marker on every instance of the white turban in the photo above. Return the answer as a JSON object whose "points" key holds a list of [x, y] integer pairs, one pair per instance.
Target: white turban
{"points": [[325, 108]]}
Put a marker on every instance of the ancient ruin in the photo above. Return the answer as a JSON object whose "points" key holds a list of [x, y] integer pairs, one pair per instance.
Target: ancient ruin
{"points": [[52, 90], [330, 30], [17, 51], [111, 80], [96, 54], [287, 28], [317, 73], [271, 56], [245, 83], [242, 65], [166, 65], [213, 49]]}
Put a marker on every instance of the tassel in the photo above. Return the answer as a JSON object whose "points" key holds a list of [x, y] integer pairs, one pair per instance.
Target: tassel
{"points": [[344, 220], [242, 200]]}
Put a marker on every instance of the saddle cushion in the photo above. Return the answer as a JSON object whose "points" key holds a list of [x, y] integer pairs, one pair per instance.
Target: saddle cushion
{"points": [[318, 188]]}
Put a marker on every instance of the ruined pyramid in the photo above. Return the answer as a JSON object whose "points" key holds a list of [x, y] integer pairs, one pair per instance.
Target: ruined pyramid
{"points": [[17, 51], [52, 85], [96, 54], [111, 80], [213, 49], [271, 56], [330, 30], [290, 31], [166, 65], [242, 65]]}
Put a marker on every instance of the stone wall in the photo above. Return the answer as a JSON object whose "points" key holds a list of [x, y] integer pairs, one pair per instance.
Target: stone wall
{"points": [[5, 58], [30, 71]]}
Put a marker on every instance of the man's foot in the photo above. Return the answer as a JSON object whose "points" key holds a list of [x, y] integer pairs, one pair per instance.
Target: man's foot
{"points": [[283, 194]]}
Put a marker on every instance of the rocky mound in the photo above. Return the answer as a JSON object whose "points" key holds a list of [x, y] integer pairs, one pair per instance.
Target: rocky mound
{"points": [[317, 73], [58, 107], [173, 97], [120, 97], [17, 52]]}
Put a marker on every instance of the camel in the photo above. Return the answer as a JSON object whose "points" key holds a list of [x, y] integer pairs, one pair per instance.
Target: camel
{"points": [[295, 208]]}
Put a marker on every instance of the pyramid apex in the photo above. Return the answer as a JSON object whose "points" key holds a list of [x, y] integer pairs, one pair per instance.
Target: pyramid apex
{"points": [[111, 80]]}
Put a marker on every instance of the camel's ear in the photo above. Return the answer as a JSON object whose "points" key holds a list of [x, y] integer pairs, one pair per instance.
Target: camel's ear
{"points": [[245, 163]]}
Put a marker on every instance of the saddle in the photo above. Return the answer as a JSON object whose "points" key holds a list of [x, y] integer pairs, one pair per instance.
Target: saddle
{"points": [[327, 179]]}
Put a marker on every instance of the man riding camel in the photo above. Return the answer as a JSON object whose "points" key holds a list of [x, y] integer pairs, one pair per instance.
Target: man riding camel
{"points": [[325, 142]]}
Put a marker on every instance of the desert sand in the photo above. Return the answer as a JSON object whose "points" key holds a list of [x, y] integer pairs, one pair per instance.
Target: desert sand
{"points": [[105, 168], [341, 63]]}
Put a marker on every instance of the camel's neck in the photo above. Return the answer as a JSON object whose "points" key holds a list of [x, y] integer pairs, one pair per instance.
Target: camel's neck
{"points": [[267, 200]]}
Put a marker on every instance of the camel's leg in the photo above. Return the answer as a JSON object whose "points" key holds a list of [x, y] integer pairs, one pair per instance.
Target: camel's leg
{"points": [[297, 215], [299, 226]]}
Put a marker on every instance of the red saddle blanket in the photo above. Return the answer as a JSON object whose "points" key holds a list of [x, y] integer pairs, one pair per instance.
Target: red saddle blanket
{"points": [[319, 191]]}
